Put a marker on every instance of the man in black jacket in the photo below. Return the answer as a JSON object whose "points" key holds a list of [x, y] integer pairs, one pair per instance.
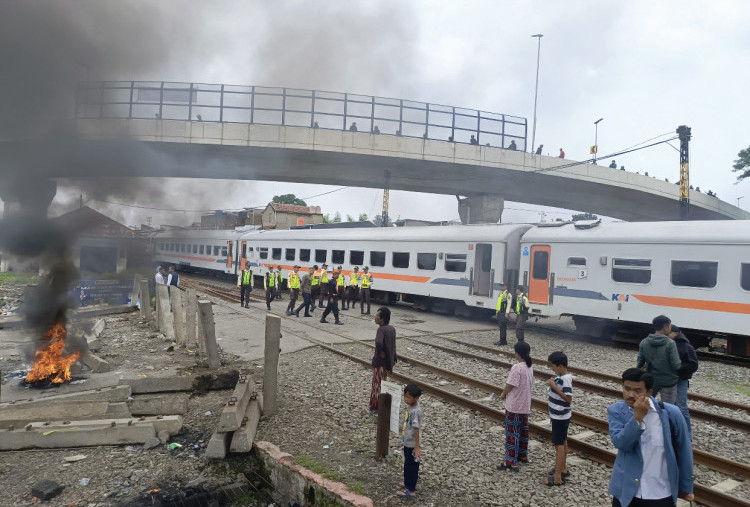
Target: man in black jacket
{"points": [[333, 298], [689, 360]]}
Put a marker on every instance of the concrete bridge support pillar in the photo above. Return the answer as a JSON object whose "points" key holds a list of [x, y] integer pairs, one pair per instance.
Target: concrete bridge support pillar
{"points": [[483, 209]]}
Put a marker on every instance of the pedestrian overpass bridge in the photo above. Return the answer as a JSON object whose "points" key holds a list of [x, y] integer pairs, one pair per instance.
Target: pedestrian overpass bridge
{"points": [[253, 133]]}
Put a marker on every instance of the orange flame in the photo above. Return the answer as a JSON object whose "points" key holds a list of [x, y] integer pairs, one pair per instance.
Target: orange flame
{"points": [[50, 363]]}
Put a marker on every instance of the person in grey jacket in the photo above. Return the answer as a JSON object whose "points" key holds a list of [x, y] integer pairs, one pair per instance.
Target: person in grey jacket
{"points": [[305, 288], [659, 353]]}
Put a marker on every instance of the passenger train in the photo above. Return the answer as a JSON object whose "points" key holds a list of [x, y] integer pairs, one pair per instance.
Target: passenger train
{"points": [[608, 276]]}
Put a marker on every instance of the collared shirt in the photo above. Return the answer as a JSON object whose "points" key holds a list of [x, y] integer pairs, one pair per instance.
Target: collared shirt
{"points": [[159, 278], [654, 483]]}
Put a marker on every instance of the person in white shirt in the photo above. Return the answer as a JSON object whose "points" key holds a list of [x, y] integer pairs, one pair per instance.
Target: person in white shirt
{"points": [[159, 278], [654, 463]]}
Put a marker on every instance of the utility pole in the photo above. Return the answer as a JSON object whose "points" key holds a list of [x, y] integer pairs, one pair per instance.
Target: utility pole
{"points": [[386, 192], [595, 148], [683, 132], [536, 87]]}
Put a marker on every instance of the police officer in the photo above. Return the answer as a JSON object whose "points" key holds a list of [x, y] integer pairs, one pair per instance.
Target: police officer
{"points": [[501, 312], [341, 284], [365, 283], [522, 312], [245, 281], [294, 283], [279, 282], [324, 284], [314, 287], [269, 284], [333, 300], [353, 288]]}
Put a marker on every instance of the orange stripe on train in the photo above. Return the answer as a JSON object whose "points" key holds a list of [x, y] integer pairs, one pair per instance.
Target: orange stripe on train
{"points": [[695, 304]]}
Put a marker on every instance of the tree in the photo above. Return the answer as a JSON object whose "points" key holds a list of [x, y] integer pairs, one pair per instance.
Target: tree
{"points": [[378, 221], [362, 217], [584, 216], [349, 218], [327, 218], [289, 199], [336, 218], [742, 164]]}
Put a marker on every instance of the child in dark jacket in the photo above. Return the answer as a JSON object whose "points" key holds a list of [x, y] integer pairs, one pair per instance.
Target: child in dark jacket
{"points": [[689, 360]]}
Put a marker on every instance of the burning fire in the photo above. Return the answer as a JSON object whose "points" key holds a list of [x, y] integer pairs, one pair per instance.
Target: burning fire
{"points": [[50, 363]]}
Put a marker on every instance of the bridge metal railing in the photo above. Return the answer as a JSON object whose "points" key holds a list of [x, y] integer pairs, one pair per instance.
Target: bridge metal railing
{"points": [[297, 107]]}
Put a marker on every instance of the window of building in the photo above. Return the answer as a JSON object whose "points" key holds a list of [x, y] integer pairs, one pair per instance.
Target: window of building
{"points": [[576, 261], [377, 259], [455, 263], [356, 257], [263, 252], [400, 259], [745, 276], [276, 254], [321, 255], [291, 254], [201, 249], [426, 261], [224, 251], [694, 273], [631, 270], [304, 254], [337, 256], [217, 249]]}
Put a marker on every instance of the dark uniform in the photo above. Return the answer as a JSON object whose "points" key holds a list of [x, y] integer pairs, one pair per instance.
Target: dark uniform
{"points": [[353, 288], [365, 281], [324, 284], [333, 302], [246, 287], [502, 310], [269, 283], [522, 313]]}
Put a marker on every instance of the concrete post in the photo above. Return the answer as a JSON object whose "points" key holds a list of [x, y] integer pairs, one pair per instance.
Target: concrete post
{"points": [[271, 363], [191, 302], [136, 290], [382, 434], [209, 333], [145, 294], [177, 316], [165, 315]]}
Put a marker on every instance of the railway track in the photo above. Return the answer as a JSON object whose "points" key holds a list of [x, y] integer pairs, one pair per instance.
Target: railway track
{"points": [[704, 494]]}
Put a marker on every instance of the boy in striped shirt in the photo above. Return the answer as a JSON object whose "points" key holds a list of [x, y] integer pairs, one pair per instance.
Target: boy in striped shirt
{"points": [[560, 395]]}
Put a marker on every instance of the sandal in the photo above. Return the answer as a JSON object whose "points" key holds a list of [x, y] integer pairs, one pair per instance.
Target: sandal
{"points": [[506, 467], [405, 493], [564, 475], [525, 461], [550, 481]]}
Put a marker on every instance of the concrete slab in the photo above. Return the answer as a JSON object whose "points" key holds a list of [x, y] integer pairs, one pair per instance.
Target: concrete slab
{"points": [[218, 445], [172, 404], [159, 384], [234, 410], [584, 434], [242, 440], [111, 394], [726, 485], [95, 363], [20, 415], [77, 434], [14, 390]]}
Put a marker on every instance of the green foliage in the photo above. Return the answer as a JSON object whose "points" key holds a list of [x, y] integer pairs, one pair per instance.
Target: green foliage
{"points": [[337, 218], [349, 218], [289, 199], [742, 164], [378, 221], [18, 278], [310, 463], [357, 487], [327, 218], [584, 216], [362, 217]]}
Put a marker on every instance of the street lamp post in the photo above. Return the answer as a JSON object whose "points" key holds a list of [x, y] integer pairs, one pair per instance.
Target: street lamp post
{"points": [[738, 200], [596, 137], [536, 87]]}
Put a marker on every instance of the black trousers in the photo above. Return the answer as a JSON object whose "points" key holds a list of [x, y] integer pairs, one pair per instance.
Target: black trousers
{"points": [[292, 299], [314, 293], [306, 299], [411, 469], [639, 502], [520, 326], [333, 306], [323, 293], [245, 291], [353, 296], [364, 297], [502, 323], [270, 294]]}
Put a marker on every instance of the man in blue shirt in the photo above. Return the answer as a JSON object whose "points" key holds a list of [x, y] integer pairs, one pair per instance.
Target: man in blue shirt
{"points": [[655, 458]]}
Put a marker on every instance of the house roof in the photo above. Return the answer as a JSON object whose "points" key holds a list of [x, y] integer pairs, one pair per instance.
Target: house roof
{"points": [[88, 222], [293, 208]]}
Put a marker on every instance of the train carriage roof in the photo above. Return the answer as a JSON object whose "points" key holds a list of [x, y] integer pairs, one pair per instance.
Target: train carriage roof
{"points": [[687, 232], [200, 234]]}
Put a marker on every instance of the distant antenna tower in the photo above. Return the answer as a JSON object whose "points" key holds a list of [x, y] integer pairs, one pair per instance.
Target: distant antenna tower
{"points": [[148, 221]]}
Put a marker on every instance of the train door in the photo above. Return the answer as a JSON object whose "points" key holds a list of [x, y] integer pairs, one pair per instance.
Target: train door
{"points": [[230, 253], [482, 282], [540, 276], [243, 255]]}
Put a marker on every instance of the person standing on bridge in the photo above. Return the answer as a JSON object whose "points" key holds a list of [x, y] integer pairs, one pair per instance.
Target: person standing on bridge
{"points": [[539, 150], [269, 284], [473, 140], [512, 145], [293, 289], [353, 288], [562, 153], [613, 165], [365, 284], [502, 310], [353, 127], [305, 286], [333, 300], [245, 281]]}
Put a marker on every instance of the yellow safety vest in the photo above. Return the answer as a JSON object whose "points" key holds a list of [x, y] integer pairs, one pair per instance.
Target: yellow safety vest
{"points": [[324, 277], [315, 278], [366, 280], [271, 280], [293, 280], [246, 277], [521, 306], [354, 280], [502, 302], [340, 280]]}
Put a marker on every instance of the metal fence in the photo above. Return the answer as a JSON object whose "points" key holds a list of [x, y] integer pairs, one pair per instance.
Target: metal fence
{"points": [[298, 108]]}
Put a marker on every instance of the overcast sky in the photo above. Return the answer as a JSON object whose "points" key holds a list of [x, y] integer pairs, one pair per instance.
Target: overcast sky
{"points": [[645, 67]]}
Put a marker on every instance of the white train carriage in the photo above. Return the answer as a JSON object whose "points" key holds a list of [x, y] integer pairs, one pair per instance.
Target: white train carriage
{"points": [[697, 273], [198, 250], [427, 265]]}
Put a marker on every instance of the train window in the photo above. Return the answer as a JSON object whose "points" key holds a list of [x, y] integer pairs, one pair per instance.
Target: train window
{"points": [[631, 270], [455, 263], [208, 249], [223, 251], [337, 256], [291, 254], [182, 247], [201, 249], [745, 276], [694, 273], [426, 261], [276, 253], [377, 259], [304, 254], [195, 249], [217, 249], [321, 255], [357, 257], [541, 265], [263, 252], [576, 261], [400, 259]]}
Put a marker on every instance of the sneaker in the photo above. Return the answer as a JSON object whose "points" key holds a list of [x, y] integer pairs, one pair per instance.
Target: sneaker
{"points": [[499, 343], [339, 323], [323, 321]]}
